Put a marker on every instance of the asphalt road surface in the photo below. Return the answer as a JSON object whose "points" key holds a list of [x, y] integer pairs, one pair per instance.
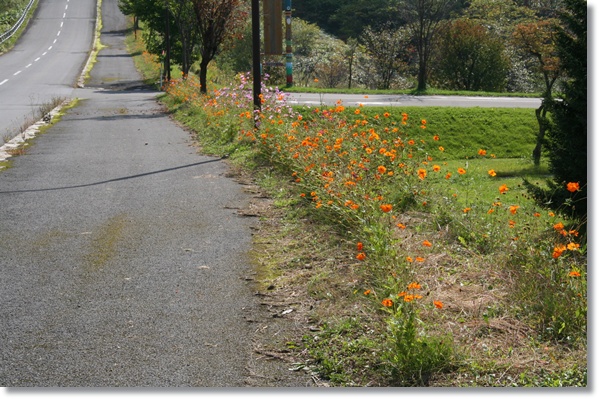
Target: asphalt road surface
{"points": [[353, 100], [46, 61], [123, 257]]}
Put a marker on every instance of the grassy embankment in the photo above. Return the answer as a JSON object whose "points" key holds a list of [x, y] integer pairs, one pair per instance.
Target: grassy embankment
{"points": [[409, 234]]}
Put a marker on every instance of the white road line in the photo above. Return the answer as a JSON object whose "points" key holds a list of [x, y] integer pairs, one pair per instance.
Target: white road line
{"points": [[54, 42], [49, 48], [28, 65], [66, 7], [61, 24], [37, 59], [44, 53], [58, 34], [16, 73], [4, 81], [64, 15]]}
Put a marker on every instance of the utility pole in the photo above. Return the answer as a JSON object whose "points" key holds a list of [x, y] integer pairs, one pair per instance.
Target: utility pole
{"points": [[256, 55], [167, 60]]}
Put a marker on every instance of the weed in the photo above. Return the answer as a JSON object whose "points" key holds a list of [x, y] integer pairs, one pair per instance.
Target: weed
{"points": [[445, 272]]}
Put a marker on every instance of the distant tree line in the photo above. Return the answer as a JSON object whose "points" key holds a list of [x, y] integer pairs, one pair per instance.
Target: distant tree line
{"points": [[475, 45]]}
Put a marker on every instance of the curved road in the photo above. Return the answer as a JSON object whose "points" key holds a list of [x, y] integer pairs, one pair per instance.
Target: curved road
{"points": [[124, 253], [46, 61], [354, 100]]}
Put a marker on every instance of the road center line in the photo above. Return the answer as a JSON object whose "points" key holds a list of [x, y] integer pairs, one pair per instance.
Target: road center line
{"points": [[28, 65], [64, 15], [4, 81], [16, 73], [44, 53], [58, 34], [37, 59]]}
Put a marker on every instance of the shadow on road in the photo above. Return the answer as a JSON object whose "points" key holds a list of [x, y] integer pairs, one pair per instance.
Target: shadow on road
{"points": [[110, 180]]}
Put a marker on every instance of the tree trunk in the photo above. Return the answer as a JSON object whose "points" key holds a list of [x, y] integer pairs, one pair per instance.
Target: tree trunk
{"points": [[203, 76], [421, 77], [541, 114]]}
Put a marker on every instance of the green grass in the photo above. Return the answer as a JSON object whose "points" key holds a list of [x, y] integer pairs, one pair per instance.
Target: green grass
{"points": [[505, 298], [8, 44], [504, 132]]}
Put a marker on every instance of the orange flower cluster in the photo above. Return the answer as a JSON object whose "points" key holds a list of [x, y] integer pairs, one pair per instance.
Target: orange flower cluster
{"points": [[569, 245]]}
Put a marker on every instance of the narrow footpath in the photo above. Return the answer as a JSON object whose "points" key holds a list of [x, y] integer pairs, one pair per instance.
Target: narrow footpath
{"points": [[123, 254]]}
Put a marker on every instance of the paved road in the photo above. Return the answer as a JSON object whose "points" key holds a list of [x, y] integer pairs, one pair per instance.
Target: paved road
{"points": [[123, 258], [47, 60], [328, 99]]}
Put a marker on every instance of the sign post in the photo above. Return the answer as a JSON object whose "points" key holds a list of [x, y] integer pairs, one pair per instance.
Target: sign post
{"points": [[256, 56], [273, 26]]}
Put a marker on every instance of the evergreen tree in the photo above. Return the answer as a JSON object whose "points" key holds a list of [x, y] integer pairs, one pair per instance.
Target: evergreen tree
{"points": [[567, 136]]}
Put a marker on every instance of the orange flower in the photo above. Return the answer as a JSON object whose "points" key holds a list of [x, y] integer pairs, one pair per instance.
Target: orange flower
{"points": [[386, 207], [503, 189], [514, 209], [537, 214], [558, 226], [574, 273], [386, 114], [381, 169], [421, 174], [414, 286], [482, 152], [466, 210], [409, 259], [448, 176], [512, 224], [387, 302], [411, 297], [441, 149], [419, 259], [360, 246], [558, 250], [492, 173], [361, 256], [436, 138], [436, 168], [573, 246], [401, 225], [438, 304], [367, 292], [573, 187], [427, 243], [461, 171]]}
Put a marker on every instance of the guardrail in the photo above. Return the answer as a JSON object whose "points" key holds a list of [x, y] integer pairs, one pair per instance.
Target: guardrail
{"points": [[8, 34]]}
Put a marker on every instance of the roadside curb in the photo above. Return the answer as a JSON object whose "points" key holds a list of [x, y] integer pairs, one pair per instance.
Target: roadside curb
{"points": [[96, 45], [20, 139]]}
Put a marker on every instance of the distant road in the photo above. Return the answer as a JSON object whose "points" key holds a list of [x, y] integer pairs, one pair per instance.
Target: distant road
{"points": [[407, 100], [46, 61]]}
